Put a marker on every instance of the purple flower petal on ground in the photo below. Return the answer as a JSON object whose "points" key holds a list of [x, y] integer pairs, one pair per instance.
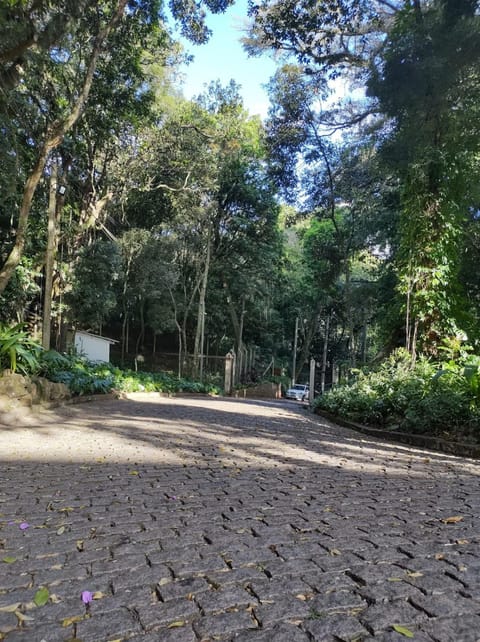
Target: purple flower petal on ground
{"points": [[24, 526], [87, 597]]}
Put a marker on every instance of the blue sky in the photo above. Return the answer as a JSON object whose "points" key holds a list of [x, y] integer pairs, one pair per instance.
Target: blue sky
{"points": [[223, 58]]}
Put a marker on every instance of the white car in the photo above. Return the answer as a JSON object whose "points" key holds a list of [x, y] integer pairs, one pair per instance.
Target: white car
{"points": [[299, 391]]}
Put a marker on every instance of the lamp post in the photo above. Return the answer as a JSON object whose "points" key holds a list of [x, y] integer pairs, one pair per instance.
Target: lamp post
{"points": [[294, 364]]}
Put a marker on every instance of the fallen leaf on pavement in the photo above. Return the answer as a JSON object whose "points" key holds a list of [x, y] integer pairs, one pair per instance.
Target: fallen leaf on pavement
{"points": [[41, 596], [176, 624], [22, 617], [452, 520], [72, 620], [9, 608], [402, 630]]}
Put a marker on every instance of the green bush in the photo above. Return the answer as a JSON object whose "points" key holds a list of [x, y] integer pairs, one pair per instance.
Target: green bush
{"points": [[85, 377], [435, 398]]}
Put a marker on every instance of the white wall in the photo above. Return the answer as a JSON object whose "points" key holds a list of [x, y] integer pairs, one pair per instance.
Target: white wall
{"points": [[92, 347]]}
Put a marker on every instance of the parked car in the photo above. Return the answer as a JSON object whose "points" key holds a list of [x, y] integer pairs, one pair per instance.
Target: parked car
{"points": [[299, 392]]}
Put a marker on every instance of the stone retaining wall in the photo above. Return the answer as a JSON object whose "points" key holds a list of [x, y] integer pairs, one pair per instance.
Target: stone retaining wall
{"points": [[19, 395], [262, 391]]}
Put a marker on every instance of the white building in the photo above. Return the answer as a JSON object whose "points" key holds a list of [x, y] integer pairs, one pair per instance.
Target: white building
{"points": [[92, 346]]}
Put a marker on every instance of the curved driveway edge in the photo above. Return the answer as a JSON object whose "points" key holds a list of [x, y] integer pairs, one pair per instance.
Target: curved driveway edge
{"points": [[198, 519]]}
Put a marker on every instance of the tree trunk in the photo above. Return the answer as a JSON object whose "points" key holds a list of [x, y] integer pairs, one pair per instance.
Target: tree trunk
{"points": [[200, 331], [349, 315], [141, 335], [50, 256]]}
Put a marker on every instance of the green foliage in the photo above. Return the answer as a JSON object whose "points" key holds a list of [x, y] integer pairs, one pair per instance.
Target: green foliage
{"points": [[431, 398], [18, 350], [84, 377], [93, 295]]}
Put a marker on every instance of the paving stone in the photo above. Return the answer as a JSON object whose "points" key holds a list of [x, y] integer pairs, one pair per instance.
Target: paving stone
{"points": [[442, 605], [465, 628], [48, 633], [266, 589], [298, 567], [153, 616], [332, 628], [8, 622], [338, 602], [177, 634], [393, 636], [223, 624], [241, 576], [381, 593], [225, 599], [182, 588], [380, 618], [331, 581], [283, 632], [116, 624], [437, 583], [282, 608]]}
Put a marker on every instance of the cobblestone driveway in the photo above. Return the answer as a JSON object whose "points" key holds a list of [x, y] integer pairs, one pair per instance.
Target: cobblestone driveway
{"points": [[196, 519]]}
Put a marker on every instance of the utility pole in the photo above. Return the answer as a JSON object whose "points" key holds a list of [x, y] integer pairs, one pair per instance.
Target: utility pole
{"points": [[294, 365], [325, 354]]}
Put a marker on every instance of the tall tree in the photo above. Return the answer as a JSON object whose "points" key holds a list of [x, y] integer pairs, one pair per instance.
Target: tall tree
{"points": [[58, 50], [428, 85]]}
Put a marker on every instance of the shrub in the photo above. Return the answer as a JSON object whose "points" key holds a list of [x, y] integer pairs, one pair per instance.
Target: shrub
{"points": [[428, 397], [85, 377]]}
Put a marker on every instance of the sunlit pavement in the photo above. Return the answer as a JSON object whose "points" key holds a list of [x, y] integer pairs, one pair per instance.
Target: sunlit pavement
{"points": [[196, 519]]}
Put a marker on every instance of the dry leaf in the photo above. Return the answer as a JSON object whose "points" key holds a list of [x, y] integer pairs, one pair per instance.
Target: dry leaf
{"points": [[304, 596], [462, 541], [452, 520], [22, 617], [439, 556], [75, 618], [414, 574], [334, 551], [177, 624], [10, 608]]}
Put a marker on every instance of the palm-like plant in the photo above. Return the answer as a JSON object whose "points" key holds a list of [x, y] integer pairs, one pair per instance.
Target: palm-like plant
{"points": [[18, 350]]}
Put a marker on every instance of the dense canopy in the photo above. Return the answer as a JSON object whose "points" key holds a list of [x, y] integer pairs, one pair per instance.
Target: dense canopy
{"points": [[344, 226]]}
